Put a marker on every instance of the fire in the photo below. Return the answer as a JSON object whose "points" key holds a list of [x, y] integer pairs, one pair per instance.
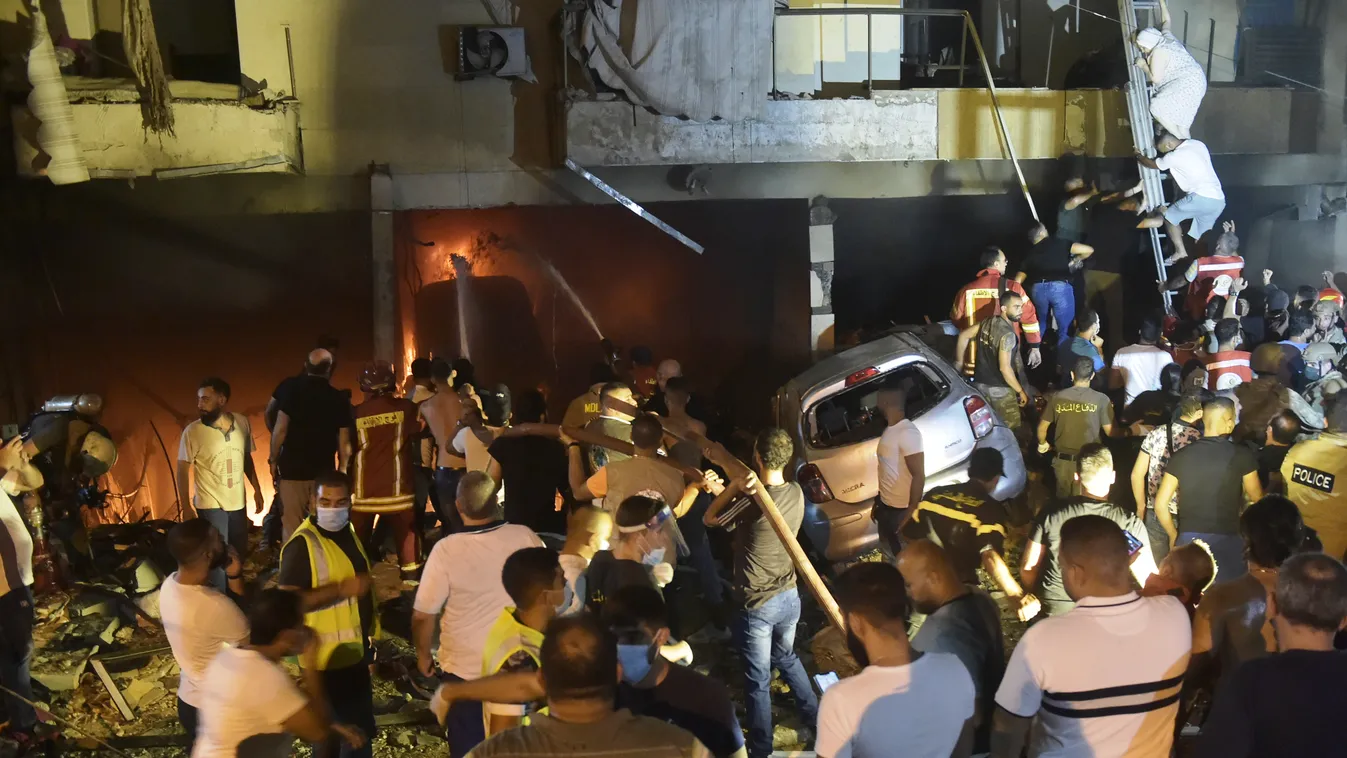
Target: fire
{"points": [[408, 352]]}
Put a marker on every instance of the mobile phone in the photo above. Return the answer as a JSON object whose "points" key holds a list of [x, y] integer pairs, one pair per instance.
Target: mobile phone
{"points": [[824, 681], [1133, 544]]}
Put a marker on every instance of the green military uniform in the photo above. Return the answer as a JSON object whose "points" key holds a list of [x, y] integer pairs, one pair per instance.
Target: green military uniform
{"points": [[1314, 471], [1078, 415], [997, 335]]}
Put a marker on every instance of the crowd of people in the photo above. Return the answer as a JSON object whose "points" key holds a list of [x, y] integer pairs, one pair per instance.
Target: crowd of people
{"points": [[559, 572], [1191, 593], [551, 565]]}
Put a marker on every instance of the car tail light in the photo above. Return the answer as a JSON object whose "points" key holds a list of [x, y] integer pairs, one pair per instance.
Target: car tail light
{"points": [[980, 416], [815, 488], [862, 375]]}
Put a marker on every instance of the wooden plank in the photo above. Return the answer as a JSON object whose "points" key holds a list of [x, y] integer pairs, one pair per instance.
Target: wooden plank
{"points": [[111, 686]]}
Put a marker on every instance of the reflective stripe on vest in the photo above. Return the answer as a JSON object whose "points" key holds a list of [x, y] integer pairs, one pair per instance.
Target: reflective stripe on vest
{"points": [[338, 626]]}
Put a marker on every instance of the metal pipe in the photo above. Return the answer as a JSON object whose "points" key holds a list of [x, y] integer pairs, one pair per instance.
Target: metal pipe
{"points": [[870, 54], [773, 57], [963, 51], [1211, 45], [1047, 74], [977, 45], [1000, 119]]}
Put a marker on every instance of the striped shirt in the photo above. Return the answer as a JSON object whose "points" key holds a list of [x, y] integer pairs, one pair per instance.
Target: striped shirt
{"points": [[1103, 679], [964, 520]]}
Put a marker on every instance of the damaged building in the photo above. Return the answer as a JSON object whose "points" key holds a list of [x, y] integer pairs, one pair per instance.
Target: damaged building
{"points": [[208, 188]]}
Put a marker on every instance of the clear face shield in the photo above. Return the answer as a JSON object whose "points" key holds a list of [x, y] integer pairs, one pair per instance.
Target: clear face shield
{"points": [[659, 539]]}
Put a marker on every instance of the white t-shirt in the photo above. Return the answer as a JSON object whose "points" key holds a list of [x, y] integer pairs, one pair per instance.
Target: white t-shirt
{"points": [[1190, 166], [245, 697], [16, 548], [462, 578], [916, 711], [1140, 366], [1125, 653], [217, 463], [199, 622], [895, 480]]}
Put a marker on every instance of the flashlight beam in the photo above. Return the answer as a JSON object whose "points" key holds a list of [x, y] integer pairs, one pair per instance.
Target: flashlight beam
{"points": [[633, 206]]}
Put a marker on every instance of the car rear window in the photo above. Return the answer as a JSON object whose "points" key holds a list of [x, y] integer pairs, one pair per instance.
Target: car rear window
{"points": [[849, 416]]}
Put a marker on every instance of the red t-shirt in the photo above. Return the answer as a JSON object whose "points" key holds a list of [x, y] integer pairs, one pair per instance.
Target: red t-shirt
{"points": [[381, 470]]}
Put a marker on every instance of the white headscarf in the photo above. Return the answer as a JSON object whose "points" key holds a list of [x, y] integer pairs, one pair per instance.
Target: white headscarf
{"points": [[1148, 38]]}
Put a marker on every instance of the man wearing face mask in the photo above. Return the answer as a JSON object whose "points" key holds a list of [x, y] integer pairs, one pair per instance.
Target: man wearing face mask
{"points": [[642, 553], [903, 702], [651, 686], [533, 579], [249, 704], [324, 549], [1323, 379], [217, 451]]}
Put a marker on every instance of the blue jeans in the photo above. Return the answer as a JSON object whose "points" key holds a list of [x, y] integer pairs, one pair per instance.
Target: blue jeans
{"points": [[699, 549], [16, 653], [765, 638], [233, 527], [1228, 549], [446, 483], [271, 523], [463, 726], [1059, 298]]}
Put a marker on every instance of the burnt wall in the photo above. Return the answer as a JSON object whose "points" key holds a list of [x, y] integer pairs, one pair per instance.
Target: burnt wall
{"points": [[737, 316], [139, 308]]}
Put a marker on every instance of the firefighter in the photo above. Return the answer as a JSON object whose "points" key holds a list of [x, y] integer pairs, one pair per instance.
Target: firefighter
{"points": [[981, 298]]}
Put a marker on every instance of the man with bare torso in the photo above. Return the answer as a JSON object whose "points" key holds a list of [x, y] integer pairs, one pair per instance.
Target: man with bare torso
{"points": [[441, 413]]}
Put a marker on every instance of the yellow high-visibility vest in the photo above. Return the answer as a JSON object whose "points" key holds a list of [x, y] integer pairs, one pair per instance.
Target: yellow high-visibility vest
{"points": [[338, 626]]}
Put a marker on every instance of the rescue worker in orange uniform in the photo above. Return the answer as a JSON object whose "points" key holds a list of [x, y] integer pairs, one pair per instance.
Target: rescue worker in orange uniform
{"points": [[981, 298], [383, 483]]}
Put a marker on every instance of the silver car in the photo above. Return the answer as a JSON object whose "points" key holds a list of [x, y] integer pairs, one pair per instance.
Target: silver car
{"points": [[830, 412]]}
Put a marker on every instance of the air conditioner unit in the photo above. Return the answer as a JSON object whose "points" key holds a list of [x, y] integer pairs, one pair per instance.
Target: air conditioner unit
{"points": [[491, 51]]}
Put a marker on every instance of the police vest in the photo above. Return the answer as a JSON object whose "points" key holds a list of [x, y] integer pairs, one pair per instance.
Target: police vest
{"points": [[340, 642], [1314, 471]]}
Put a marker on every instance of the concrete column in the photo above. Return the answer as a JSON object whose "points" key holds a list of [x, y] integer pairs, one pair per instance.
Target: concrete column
{"points": [[80, 18], [381, 249], [821, 320], [1331, 129]]}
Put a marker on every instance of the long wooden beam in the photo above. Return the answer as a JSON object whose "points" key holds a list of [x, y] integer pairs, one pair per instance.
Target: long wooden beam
{"points": [[736, 469]]}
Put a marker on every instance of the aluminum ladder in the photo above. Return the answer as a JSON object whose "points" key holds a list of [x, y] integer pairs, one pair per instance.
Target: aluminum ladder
{"points": [[1143, 129]]}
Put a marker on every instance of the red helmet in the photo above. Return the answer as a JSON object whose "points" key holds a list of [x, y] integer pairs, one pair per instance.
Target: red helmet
{"points": [[377, 377]]}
